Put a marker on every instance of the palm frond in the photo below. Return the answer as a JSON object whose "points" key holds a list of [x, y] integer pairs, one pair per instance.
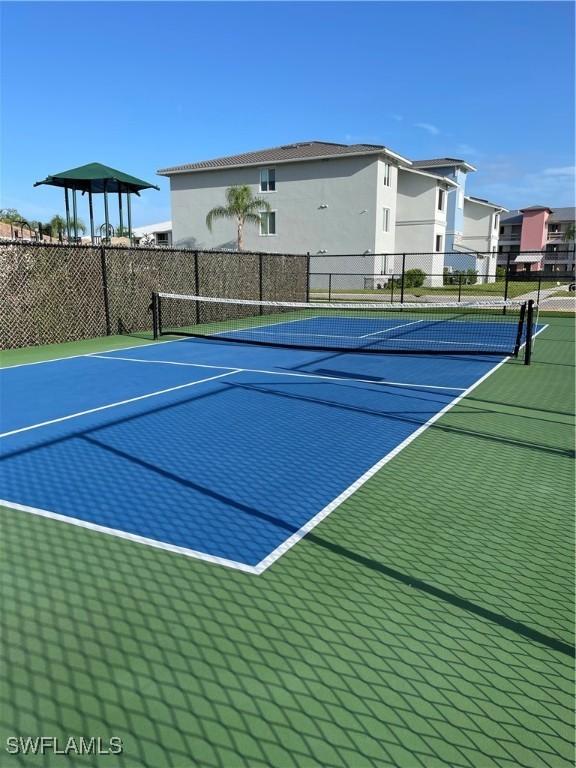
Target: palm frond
{"points": [[220, 212]]}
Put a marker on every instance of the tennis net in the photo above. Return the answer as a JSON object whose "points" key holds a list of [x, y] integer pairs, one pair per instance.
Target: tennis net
{"points": [[451, 328]]}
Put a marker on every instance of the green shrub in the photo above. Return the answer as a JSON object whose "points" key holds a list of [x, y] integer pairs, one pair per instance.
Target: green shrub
{"points": [[414, 278]]}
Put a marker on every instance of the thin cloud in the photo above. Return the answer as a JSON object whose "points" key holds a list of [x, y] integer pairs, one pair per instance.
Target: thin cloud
{"points": [[431, 129], [566, 170], [398, 118]]}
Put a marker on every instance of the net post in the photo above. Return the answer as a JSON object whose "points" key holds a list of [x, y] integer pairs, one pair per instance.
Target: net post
{"points": [[155, 315], [402, 278], [104, 271], [330, 287], [529, 332], [520, 331], [308, 276], [460, 287]]}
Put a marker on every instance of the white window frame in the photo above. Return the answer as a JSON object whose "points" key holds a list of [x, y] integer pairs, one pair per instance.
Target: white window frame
{"points": [[441, 198], [262, 219], [265, 180], [386, 219], [387, 175]]}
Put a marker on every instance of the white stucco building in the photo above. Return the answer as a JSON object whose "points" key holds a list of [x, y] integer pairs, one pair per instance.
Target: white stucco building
{"points": [[330, 200]]}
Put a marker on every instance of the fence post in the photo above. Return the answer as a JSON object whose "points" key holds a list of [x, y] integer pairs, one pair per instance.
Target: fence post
{"points": [[104, 272], [392, 289], [308, 276], [260, 287], [539, 287], [330, 286], [197, 286], [459, 287], [506, 279], [402, 278]]}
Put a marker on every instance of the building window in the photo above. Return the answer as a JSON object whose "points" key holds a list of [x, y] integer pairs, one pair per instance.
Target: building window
{"points": [[554, 229], [387, 175], [496, 218], [386, 219], [438, 243], [267, 222], [267, 179], [162, 238], [441, 195]]}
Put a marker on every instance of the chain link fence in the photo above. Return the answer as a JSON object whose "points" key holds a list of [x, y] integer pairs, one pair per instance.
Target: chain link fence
{"points": [[441, 277], [57, 293]]}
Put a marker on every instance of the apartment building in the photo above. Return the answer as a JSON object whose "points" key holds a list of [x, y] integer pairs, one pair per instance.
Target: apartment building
{"points": [[154, 234], [545, 232], [334, 199], [421, 215]]}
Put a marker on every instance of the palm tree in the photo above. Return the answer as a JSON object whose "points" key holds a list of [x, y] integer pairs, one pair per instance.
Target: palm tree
{"points": [[570, 233], [58, 225], [242, 206]]}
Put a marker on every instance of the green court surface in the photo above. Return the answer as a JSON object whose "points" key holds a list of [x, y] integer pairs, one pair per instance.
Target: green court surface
{"points": [[427, 622]]}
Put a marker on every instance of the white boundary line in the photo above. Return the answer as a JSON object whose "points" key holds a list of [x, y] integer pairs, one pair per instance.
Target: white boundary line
{"points": [[281, 373], [255, 327], [313, 522], [89, 354], [270, 559], [120, 402], [394, 328], [130, 536]]}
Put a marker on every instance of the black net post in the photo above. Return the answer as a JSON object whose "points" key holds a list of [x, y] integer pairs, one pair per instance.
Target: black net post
{"points": [[539, 288], [155, 315], [529, 332], [460, 287], [330, 287], [104, 272], [402, 278], [392, 289], [521, 326], [308, 276]]}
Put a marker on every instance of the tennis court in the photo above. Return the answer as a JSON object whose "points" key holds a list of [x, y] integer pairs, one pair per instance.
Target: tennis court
{"points": [[227, 452], [427, 621]]}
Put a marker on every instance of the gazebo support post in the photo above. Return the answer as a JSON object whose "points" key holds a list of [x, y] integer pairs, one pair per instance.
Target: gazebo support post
{"points": [[129, 217], [91, 216], [106, 219], [120, 213], [67, 202], [75, 214]]}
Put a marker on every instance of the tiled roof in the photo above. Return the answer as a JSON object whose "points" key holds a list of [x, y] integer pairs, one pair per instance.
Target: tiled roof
{"points": [[484, 202], [305, 150], [558, 214], [563, 214], [442, 162], [513, 217]]}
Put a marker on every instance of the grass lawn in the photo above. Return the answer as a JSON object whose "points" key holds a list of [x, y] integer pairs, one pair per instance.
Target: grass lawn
{"points": [[515, 288]]}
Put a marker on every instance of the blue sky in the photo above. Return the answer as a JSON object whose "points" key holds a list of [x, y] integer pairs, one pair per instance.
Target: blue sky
{"points": [[144, 85]]}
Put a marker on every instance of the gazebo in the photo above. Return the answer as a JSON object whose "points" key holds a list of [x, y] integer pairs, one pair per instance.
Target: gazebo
{"points": [[96, 178]]}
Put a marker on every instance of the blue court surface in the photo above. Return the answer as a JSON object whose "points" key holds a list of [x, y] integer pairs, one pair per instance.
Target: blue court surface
{"points": [[226, 452]]}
